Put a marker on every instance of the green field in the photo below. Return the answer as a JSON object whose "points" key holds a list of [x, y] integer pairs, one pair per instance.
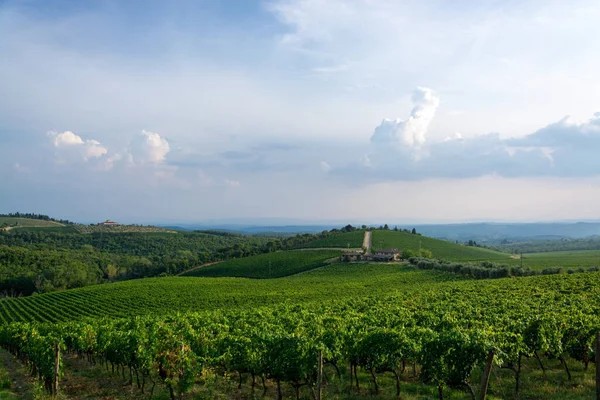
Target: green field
{"points": [[339, 240], [565, 259], [28, 223], [350, 301], [270, 265], [168, 295], [440, 248]]}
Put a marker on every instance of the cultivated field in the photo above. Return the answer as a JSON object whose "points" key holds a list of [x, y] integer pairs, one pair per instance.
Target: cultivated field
{"points": [[566, 259], [270, 265], [440, 248], [28, 223], [346, 306], [341, 240]]}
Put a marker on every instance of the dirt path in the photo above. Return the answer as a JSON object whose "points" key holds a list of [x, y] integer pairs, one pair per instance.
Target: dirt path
{"points": [[198, 267], [367, 242], [20, 385]]}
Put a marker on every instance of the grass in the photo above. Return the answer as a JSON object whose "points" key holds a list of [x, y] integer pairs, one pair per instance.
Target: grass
{"points": [[270, 265], [94, 382], [440, 248]]}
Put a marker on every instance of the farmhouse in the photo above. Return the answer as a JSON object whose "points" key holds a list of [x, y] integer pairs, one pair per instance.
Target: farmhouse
{"points": [[386, 255], [108, 222], [349, 256]]}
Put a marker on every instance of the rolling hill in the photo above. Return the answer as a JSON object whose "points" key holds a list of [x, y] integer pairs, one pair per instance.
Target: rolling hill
{"points": [[440, 248], [14, 222]]}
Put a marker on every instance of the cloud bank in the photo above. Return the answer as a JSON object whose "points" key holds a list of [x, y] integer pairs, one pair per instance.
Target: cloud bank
{"points": [[410, 132], [401, 151]]}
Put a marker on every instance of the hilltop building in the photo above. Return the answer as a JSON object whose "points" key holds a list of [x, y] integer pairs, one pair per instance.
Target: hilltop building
{"points": [[108, 222]]}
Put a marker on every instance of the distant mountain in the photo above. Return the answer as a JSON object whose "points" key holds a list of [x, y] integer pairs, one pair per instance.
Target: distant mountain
{"points": [[495, 232]]}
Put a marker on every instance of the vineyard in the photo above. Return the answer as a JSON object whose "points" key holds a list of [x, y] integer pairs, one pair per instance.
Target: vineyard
{"points": [[564, 259], [270, 265], [442, 339], [173, 294], [341, 240], [383, 239]]}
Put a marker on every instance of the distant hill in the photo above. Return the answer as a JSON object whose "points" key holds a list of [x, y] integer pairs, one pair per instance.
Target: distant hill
{"points": [[85, 229], [8, 223], [496, 232]]}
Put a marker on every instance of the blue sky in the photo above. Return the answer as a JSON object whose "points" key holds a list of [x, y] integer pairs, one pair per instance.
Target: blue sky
{"points": [[300, 109]]}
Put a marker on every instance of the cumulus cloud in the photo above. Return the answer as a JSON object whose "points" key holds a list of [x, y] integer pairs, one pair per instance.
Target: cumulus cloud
{"points": [[566, 148], [66, 138], [410, 132], [71, 146], [149, 148]]}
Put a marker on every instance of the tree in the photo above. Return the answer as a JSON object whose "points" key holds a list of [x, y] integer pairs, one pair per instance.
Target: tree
{"points": [[414, 231]]}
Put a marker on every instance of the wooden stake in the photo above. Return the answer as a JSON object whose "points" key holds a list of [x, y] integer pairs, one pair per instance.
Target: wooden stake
{"points": [[486, 375], [597, 359], [320, 376], [56, 369]]}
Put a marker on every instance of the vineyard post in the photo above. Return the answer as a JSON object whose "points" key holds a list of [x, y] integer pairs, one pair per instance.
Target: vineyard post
{"points": [[486, 375], [56, 369], [320, 375], [597, 358]]}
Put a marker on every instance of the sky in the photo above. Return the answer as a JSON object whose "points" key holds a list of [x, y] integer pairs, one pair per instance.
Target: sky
{"points": [[300, 110]]}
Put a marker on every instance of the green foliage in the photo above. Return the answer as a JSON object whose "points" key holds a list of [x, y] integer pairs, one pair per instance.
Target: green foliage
{"points": [[270, 265], [341, 240]]}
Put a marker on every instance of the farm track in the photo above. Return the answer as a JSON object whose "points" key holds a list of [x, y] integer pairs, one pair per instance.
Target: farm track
{"points": [[198, 267], [367, 242]]}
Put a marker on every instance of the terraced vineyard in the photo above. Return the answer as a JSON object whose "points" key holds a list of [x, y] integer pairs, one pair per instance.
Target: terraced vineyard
{"points": [[440, 248], [270, 265]]}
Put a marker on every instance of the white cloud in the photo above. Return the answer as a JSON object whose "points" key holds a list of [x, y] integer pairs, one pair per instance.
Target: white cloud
{"points": [[71, 147], [149, 148], [232, 183], [325, 167], [93, 149], [410, 132], [66, 138]]}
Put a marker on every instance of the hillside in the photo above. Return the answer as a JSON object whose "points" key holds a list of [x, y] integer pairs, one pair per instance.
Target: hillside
{"points": [[87, 229], [383, 239], [177, 294], [14, 222], [339, 240], [270, 265]]}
